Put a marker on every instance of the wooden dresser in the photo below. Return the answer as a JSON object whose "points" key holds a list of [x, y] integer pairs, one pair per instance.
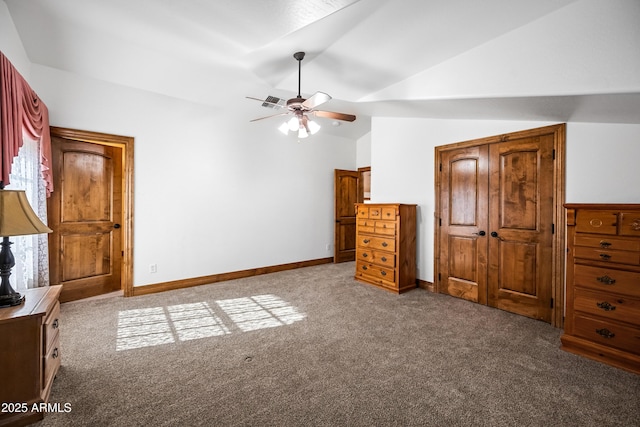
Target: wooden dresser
{"points": [[29, 354], [386, 245], [603, 284]]}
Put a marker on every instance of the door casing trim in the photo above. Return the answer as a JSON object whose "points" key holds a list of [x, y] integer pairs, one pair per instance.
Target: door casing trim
{"points": [[125, 143], [559, 240]]}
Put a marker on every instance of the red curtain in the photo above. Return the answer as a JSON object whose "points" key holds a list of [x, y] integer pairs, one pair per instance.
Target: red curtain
{"points": [[22, 112]]}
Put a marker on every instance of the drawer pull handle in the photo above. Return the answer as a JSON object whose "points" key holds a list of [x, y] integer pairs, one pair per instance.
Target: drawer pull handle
{"points": [[604, 332], [364, 267], [55, 324], [606, 280], [635, 225], [365, 241], [384, 273], [55, 353], [385, 244], [384, 259], [365, 255], [605, 256], [604, 244], [606, 306]]}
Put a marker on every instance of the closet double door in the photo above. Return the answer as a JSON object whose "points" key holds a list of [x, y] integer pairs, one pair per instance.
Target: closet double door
{"points": [[496, 224]]}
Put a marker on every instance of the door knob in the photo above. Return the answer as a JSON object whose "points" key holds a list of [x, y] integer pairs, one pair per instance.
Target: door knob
{"points": [[494, 234], [116, 225], [480, 233]]}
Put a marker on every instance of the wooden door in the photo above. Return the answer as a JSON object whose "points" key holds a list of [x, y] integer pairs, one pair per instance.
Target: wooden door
{"points": [[85, 213], [521, 226], [346, 197], [464, 223], [496, 210]]}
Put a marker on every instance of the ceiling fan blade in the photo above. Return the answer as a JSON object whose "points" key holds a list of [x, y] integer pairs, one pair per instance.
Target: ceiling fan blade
{"points": [[270, 102], [315, 100], [268, 117], [335, 116]]}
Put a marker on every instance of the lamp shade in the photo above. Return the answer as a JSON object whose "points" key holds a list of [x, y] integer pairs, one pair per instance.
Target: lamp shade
{"points": [[16, 216]]}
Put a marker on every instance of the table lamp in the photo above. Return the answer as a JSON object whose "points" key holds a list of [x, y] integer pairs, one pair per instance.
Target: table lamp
{"points": [[16, 219]]}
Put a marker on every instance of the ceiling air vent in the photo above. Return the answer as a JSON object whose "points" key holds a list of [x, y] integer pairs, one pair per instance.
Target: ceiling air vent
{"points": [[274, 102]]}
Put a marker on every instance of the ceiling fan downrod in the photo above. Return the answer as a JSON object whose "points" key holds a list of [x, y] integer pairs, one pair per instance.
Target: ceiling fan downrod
{"points": [[299, 56]]}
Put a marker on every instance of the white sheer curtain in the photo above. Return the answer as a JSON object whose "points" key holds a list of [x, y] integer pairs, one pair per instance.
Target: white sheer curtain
{"points": [[31, 252]]}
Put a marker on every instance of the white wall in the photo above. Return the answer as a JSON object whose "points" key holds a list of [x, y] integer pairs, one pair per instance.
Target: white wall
{"points": [[363, 151], [213, 193], [10, 43], [601, 165], [586, 47]]}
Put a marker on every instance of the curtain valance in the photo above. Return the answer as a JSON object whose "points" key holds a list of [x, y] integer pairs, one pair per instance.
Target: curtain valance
{"points": [[22, 112]]}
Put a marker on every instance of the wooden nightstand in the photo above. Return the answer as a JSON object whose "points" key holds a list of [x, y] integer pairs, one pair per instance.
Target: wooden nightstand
{"points": [[29, 354]]}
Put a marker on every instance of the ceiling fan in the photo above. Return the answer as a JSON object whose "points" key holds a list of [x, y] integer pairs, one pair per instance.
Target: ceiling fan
{"points": [[301, 109]]}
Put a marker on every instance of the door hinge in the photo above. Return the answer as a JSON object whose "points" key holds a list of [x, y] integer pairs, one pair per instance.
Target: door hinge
{"points": [[553, 229], [122, 253], [440, 167], [553, 153], [551, 303], [440, 222], [439, 277]]}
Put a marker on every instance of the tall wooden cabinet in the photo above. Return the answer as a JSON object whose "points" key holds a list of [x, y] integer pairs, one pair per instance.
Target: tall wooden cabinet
{"points": [[386, 245], [603, 283], [29, 354]]}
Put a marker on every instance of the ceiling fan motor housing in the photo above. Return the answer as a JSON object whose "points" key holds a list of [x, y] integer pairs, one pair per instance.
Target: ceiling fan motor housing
{"points": [[295, 103]]}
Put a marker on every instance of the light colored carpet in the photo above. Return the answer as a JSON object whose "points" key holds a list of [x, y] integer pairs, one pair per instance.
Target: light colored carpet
{"points": [[313, 347]]}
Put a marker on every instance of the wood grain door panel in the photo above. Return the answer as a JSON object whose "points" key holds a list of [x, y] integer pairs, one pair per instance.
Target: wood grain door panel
{"points": [[463, 202], [496, 207], [521, 223], [85, 214], [346, 197]]}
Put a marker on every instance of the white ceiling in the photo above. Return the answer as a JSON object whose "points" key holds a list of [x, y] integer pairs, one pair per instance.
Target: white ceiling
{"points": [[218, 51]]}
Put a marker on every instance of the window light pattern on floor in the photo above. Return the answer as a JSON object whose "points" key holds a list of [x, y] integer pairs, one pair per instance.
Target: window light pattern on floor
{"points": [[153, 326]]}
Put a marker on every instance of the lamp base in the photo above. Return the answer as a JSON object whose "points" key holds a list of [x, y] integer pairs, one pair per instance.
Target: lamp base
{"points": [[11, 300]]}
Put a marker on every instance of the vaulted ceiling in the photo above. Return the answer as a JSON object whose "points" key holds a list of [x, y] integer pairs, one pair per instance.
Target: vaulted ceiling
{"points": [[358, 51]]}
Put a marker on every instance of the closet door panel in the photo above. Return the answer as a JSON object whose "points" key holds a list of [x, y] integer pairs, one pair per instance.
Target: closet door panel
{"points": [[463, 258], [521, 226]]}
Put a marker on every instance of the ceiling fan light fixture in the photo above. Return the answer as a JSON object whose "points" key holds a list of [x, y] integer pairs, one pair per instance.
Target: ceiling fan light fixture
{"points": [[293, 123], [313, 127], [302, 132], [284, 128]]}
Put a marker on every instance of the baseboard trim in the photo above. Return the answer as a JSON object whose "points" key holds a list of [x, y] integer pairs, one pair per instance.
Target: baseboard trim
{"points": [[214, 278], [426, 285]]}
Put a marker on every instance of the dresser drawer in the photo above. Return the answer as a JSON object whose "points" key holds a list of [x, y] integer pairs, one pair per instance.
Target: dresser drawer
{"points": [[389, 213], [374, 271], [612, 243], [375, 212], [52, 362], [385, 227], [366, 225], [51, 325], [622, 257], [607, 280], [619, 308], [600, 221], [384, 259], [630, 223], [608, 333], [384, 243], [362, 211]]}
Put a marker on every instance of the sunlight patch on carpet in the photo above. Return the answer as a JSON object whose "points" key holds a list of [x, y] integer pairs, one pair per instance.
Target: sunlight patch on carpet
{"points": [[147, 327], [259, 312]]}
